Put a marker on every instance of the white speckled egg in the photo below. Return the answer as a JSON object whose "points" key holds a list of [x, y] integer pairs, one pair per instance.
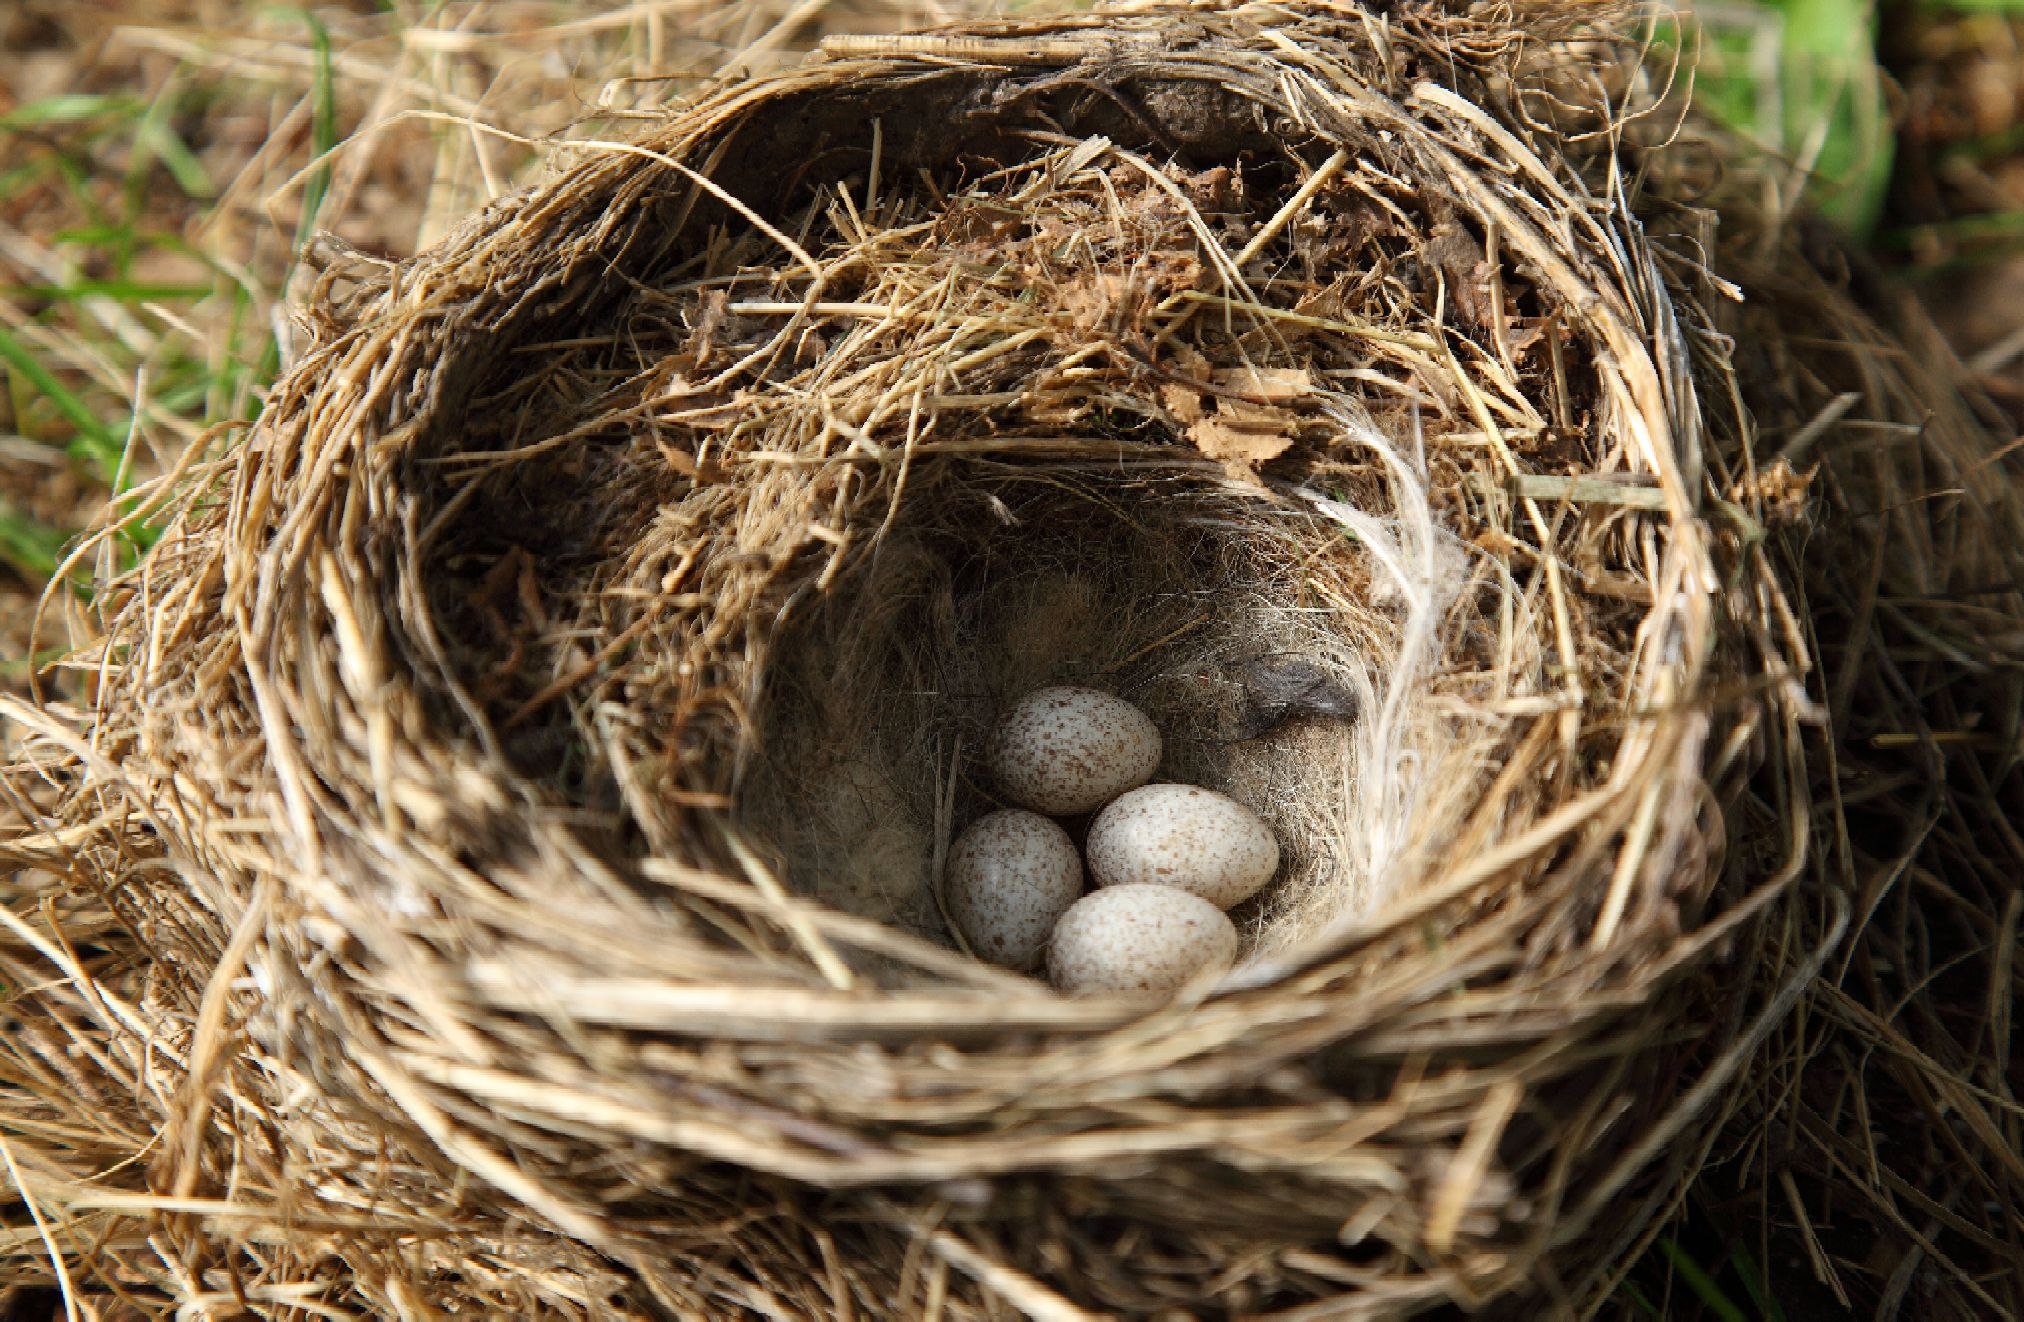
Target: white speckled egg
{"points": [[1138, 939], [1011, 876], [1183, 836], [1068, 750]]}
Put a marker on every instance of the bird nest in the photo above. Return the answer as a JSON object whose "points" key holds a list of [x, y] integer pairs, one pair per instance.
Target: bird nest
{"points": [[512, 793]]}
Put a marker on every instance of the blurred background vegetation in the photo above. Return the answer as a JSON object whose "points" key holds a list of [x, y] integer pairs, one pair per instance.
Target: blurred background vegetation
{"points": [[164, 164]]}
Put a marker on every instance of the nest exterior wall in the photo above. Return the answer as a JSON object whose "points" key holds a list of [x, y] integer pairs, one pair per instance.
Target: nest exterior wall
{"points": [[410, 768]]}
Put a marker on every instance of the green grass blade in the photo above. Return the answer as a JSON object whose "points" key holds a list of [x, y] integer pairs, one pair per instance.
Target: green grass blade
{"points": [[323, 141], [1957, 242], [1702, 1284], [81, 236], [66, 108], [1755, 1284], [1836, 89], [323, 130], [1637, 1298], [104, 445], [32, 547], [176, 157], [14, 670], [126, 290]]}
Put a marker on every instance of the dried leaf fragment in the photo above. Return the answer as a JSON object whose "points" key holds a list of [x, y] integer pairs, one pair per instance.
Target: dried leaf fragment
{"points": [[1243, 440], [1183, 402], [1252, 423], [1272, 385]]}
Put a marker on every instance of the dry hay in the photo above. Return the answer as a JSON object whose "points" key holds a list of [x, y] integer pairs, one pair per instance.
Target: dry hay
{"points": [[494, 865], [1879, 1147]]}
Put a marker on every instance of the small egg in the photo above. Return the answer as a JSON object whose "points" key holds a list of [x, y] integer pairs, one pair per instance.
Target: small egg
{"points": [[1183, 836], [1011, 876], [1067, 750], [1138, 938]]}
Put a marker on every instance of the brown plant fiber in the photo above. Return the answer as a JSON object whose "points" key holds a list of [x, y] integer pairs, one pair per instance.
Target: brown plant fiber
{"points": [[487, 864]]}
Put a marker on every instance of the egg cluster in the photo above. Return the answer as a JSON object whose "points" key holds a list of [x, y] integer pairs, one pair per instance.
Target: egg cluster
{"points": [[1167, 860]]}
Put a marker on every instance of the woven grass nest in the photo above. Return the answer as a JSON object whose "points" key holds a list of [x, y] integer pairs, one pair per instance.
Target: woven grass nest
{"points": [[495, 852]]}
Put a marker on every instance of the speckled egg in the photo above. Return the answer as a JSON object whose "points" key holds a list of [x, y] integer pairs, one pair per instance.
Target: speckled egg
{"points": [[1138, 939], [1011, 876], [1183, 836], [1068, 750]]}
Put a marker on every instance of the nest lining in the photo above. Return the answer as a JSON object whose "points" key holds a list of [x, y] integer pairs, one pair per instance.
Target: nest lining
{"points": [[1202, 606]]}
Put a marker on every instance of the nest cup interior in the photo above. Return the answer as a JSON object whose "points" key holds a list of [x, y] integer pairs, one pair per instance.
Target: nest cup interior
{"points": [[1245, 626], [839, 530]]}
